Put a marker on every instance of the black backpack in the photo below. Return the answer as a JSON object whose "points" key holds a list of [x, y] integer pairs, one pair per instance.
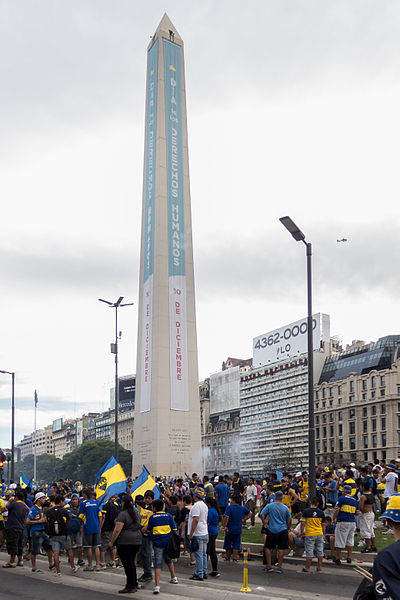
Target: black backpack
{"points": [[56, 521], [321, 498]]}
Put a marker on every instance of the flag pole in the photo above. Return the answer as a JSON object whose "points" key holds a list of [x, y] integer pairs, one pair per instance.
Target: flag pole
{"points": [[34, 447]]}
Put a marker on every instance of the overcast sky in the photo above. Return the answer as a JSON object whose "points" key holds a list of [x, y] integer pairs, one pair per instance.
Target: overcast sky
{"points": [[293, 108]]}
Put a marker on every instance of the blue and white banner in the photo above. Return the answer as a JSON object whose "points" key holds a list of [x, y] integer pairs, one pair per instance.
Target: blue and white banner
{"points": [[176, 226], [149, 191]]}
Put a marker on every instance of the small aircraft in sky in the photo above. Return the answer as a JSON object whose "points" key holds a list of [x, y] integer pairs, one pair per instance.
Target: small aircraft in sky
{"points": [[342, 240]]}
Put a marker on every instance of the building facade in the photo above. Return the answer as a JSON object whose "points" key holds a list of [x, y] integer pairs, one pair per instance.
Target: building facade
{"points": [[43, 441], [102, 427], [357, 404]]}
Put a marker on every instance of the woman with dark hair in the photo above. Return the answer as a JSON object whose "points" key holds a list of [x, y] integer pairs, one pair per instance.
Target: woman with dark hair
{"points": [[213, 519], [128, 537]]}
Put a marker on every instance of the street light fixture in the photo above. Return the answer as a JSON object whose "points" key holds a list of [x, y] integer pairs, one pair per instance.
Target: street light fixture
{"points": [[114, 350], [12, 420], [299, 236]]}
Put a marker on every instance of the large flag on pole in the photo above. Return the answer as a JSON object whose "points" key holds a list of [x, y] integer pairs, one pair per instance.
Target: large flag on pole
{"points": [[36, 398], [144, 483], [110, 480], [24, 481]]}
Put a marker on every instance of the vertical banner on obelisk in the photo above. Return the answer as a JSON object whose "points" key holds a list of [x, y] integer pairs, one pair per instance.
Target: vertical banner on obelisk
{"points": [[148, 233], [176, 227]]}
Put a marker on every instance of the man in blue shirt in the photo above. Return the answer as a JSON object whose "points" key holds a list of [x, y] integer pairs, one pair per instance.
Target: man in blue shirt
{"points": [[221, 494], [233, 519], [331, 489], [276, 520], [90, 514], [39, 537]]}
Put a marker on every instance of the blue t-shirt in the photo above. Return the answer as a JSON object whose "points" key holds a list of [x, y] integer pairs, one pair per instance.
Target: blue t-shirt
{"points": [[212, 521], [348, 506], [235, 512], [222, 489], [35, 513], [332, 492], [278, 514], [89, 513]]}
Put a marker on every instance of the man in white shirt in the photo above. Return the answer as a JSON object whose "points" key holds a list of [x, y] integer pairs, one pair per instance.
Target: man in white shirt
{"points": [[251, 497], [390, 481], [198, 534]]}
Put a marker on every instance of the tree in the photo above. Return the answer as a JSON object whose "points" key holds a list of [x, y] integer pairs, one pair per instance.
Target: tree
{"points": [[83, 463]]}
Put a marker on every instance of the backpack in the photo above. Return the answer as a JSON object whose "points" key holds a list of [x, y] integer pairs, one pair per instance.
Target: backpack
{"points": [[174, 545], [56, 522], [321, 498], [74, 524]]}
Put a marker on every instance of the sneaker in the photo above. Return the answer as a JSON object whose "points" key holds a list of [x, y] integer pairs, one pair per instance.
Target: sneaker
{"points": [[348, 560], [250, 527], [9, 565], [205, 576], [20, 563], [51, 567], [75, 568], [97, 568], [36, 571], [191, 563], [304, 570], [173, 580], [88, 568], [215, 574], [269, 569], [361, 543], [196, 578], [366, 551], [184, 553], [278, 570], [337, 561], [111, 564], [156, 589], [57, 574], [81, 562], [145, 578], [103, 566], [291, 553]]}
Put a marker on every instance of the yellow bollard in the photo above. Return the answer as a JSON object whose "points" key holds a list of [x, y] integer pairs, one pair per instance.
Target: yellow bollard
{"points": [[245, 587]]}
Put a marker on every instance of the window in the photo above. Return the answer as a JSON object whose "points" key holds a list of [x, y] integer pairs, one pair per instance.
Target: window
{"points": [[398, 389], [324, 432], [364, 384], [365, 441], [365, 456], [382, 392], [373, 394], [383, 423], [373, 410], [324, 446], [339, 401], [317, 405], [352, 442], [351, 398], [317, 395], [383, 439], [324, 392], [382, 380], [340, 429], [331, 417], [340, 416], [383, 409], [365, 426], [317, 432], [351, 385], [339, 390], [373, 424], [330, 402], [364, 396], [323, 404], [352, 413], [373, 381], [317, 420], [340, 444], [364, 411], [332, 445], [324, 418], [330, 392], [352, 427], [331, 431], [318, 447], [374, 441]]}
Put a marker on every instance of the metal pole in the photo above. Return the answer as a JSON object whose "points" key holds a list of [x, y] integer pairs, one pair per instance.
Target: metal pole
{"points": [[12, 424], [311, 428], [34, 451], [116, 395]]}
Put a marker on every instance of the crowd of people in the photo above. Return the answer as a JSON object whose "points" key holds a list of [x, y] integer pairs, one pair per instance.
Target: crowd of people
{"points": [[192, 511]]}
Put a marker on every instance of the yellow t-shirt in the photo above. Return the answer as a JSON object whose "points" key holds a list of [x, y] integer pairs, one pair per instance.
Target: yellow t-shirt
{"points": [[313, 519], [2, 505], [304, 489]]}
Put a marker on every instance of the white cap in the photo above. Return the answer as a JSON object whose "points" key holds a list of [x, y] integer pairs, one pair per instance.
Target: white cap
{"points": [[298, 474], [39, 495], [216, 479], [352, 464], [13, 486]]}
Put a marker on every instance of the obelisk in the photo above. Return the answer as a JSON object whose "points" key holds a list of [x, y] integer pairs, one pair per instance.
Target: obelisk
{"points": [[167, 437]]}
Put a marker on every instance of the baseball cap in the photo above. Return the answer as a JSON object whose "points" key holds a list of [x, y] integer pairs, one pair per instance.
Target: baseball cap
{"points": [[39, 495], [74, 495], [352, 464], [13, 486], [199, 493], [298, 474]]}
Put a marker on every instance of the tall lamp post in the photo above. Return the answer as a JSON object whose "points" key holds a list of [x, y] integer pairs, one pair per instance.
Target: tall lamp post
{"points": [[299, 236], [12, 420], [114, 350]]}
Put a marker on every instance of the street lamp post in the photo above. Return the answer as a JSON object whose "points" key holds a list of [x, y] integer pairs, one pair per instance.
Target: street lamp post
{"points": [[114, 350], [299, 236], [12, 420]]}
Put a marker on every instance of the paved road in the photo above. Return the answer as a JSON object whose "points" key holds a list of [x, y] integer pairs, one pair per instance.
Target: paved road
{"points": [[291, 585]]}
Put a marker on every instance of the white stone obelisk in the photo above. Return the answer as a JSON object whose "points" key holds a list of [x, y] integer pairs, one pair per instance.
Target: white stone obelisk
{"points": [[167, 437]]}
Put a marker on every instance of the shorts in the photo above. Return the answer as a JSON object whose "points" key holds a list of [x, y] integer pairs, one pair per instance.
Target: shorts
{"points": [[232, 541], [367, 525], [60, 541], [314, 541], [344, 534], [277, 540], [14, 541], [76, 539], [160, 556], [105, 540], [39, 539], [91, 540]]}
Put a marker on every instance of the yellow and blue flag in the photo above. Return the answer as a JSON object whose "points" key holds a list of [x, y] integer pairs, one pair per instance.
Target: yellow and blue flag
{"points": [[110, 480], [144, 483], [24, 481]]}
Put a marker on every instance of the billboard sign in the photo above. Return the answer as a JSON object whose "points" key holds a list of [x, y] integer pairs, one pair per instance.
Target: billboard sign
{"points": [[57, 425], [289, 341], [225, 390]]}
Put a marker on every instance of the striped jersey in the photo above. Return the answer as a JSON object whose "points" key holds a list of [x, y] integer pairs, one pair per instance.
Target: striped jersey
{"points": [[347, 509], [160, 526]]}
